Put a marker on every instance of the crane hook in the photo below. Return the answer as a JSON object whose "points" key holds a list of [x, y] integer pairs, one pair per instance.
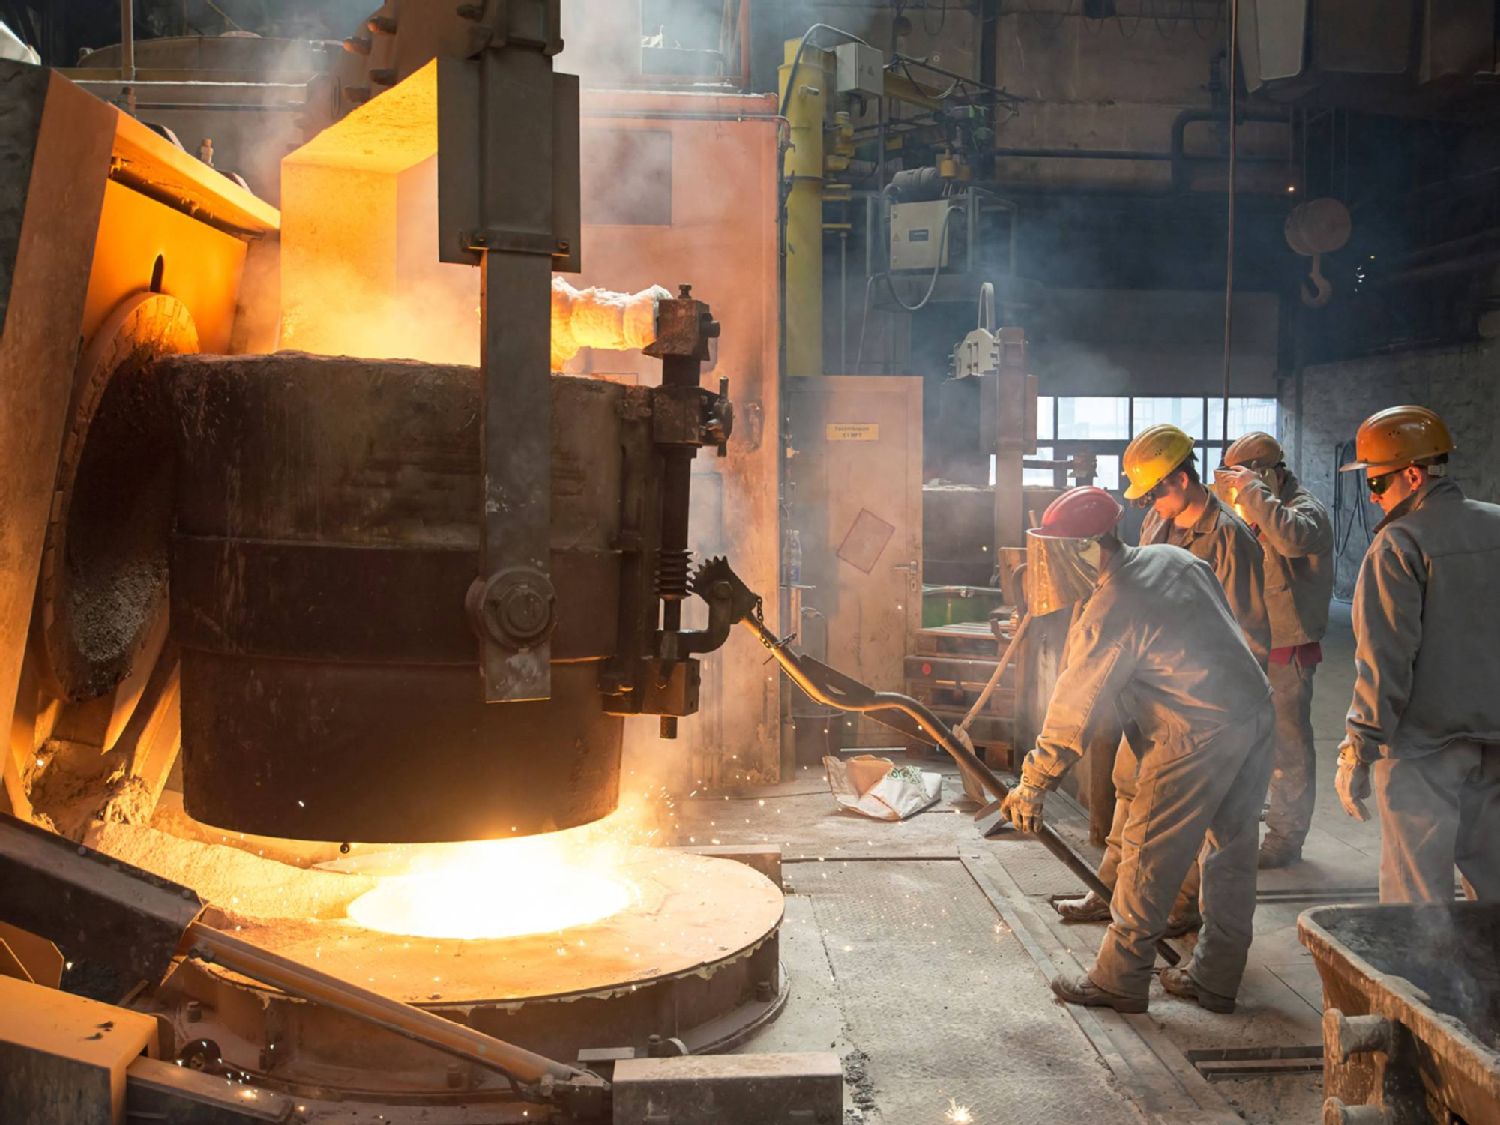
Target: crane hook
{"points": [[1316, 290]]}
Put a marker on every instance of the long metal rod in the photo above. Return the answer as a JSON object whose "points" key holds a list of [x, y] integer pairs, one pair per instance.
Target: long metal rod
{"points": [[931, 725], [370, 1007], [127, 40], [1234, 46], [966, 759]]}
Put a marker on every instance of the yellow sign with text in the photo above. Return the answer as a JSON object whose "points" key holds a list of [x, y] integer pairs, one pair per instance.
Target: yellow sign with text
{"points": [[852, 431]]}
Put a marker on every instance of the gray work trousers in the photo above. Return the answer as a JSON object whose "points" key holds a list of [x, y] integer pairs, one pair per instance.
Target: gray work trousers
{"points": [[1294, 769], [1126, 769], [1437, 810], [1202, 797]]}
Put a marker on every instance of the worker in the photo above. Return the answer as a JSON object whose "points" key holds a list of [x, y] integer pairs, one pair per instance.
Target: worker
{"points": [[1160, 466], [1297, 537], [1155, 645], [1425, 712]]}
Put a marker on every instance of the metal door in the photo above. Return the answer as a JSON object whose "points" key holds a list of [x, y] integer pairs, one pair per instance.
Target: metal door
{"points": [[855, 501]]}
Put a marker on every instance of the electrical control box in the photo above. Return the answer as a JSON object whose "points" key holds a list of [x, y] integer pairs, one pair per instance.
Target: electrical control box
{"points": [[859, 70], [918, 240]]}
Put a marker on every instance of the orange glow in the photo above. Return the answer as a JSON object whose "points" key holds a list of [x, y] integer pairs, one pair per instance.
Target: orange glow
{"points": [[360, 273], [500, 888]]}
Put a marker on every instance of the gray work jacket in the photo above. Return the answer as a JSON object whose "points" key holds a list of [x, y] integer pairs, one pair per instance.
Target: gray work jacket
{"points": [[1221, 539], [1155, 643], [1427, 627], [1297, 537]]}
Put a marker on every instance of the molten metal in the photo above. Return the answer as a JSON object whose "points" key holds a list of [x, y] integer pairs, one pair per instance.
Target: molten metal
{"points": [[497, 888]]}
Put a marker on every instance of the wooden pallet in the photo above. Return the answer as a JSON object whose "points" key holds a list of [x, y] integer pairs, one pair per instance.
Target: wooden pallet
{"points": [[949, 669]]}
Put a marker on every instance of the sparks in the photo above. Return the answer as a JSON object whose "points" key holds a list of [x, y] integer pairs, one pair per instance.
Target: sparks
{"points": [[958, 1114]]}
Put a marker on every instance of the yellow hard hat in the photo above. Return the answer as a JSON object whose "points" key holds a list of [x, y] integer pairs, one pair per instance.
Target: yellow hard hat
{"points": [[1396, 437], [1256, 450], [1153, 453]]}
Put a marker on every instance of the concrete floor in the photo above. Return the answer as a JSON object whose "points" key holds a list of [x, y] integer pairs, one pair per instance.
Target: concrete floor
{"points": [[920, 953]]}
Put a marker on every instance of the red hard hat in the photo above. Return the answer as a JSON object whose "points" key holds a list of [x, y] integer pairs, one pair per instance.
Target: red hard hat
{"points": [[1080, 513]]}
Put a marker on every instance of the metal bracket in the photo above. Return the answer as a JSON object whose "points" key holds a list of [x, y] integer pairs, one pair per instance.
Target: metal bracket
{"points": [[508, 200]]}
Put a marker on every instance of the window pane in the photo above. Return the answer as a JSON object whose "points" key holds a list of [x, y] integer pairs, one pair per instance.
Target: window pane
{"points": [[1044, 417], [1093, 417], [1184, 413], [1245, 414], [1211, 456], [1108, 475], [1042, 477]]}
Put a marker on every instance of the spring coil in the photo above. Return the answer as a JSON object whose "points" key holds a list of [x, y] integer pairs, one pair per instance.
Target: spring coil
{"points": [[672, 569]]}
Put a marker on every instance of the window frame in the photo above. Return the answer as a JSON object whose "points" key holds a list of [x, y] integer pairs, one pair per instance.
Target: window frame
{"points": [[1063, 448]]}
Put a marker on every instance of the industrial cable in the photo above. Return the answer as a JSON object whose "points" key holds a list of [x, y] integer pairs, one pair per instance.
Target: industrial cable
{"points": [[1212, 27], [864, 323], [942, 17], [791, 78], [1234, 47], [1359, 514], [229, 23], [885, 276], [1134, 27], [1035, 13], [1156, 16], [937, 267]]}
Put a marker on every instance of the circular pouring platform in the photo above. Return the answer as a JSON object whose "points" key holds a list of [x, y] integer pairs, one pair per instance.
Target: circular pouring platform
{"points": [[694, 957]]}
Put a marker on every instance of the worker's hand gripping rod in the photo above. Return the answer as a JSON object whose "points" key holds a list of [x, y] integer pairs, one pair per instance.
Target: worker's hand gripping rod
{"points": [[727, 594]]}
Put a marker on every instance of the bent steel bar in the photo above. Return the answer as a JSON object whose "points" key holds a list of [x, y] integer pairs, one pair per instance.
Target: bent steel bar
{"points": [[717, 584], [97, 907], [403, 1019]]}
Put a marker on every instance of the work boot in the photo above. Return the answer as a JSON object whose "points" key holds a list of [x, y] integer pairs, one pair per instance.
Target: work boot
{"points": [[1278, 851], [1180, 983], [1092, 907], [1081, 990], [1180, 925]]}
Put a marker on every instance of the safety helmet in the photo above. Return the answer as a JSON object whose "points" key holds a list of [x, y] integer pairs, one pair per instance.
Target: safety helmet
{"points": [[1256, 450], [1152, 455], [1086, 512], [1399, 436], [1064, 557]]}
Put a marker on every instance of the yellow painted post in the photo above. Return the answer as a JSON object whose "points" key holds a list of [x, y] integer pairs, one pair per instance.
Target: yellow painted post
{"points": [[806, 110]]}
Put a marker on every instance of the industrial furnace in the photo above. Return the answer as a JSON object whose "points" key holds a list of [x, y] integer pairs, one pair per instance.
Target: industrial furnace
{"points": [[387, 607]]}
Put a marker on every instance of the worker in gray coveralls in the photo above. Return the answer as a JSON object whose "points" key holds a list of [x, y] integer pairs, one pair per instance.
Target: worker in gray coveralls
{"points": [[1297, 536], [1183, 512], [1426, 707], [1154, 644]]}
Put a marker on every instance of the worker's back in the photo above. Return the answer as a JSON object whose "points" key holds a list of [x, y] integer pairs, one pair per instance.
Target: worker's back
{"points": [[1431, 573], [1192, 670], [1234, 555]]}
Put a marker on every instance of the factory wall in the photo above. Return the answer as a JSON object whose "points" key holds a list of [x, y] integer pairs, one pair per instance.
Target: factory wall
{"points": [[1150, 342], [1115, 85], [1322, 407]]}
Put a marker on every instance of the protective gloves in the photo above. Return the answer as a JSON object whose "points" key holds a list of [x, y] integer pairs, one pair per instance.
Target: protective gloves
{"points": [[1353, 782], [1023, 804]]}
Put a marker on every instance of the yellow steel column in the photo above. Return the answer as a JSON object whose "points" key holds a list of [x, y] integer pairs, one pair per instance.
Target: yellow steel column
{"points": [[806, 109]]}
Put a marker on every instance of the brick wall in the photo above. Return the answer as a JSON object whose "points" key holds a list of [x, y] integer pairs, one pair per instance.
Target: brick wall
{"points": [[1323, 406]]}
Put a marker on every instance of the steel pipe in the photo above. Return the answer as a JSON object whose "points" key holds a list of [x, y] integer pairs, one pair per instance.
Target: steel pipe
{"points": [[413, 1023], [127, 40]]}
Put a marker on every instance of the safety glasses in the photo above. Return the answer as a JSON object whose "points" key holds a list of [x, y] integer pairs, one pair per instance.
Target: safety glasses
{"points": [[1149, 498], [1379, 485]]}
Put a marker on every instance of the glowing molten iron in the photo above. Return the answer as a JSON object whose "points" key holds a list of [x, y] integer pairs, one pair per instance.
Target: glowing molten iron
{"points": [[496, 888]]}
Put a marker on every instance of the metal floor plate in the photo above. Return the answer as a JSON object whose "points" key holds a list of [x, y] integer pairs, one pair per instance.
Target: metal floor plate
{"points": [[946, 1002]]}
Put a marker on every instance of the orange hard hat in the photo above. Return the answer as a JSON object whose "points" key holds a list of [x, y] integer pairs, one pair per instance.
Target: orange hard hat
{"points": [[1256, 450], [1086, 512], [1153, 455], [1396, 437]]}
